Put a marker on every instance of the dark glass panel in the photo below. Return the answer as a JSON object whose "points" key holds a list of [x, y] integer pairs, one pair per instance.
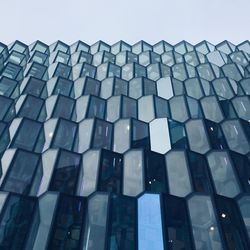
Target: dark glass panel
{"points": [[205, 228], [62, 57], [38, 57], [65, 134], [85, 57], [242, 167], [129, 107], [34, 86], [122, 223], [64, 107], [140, 135], [96, 222], [60, 46], [177, 135], [40, 46], [177, 227], [102, 134], [199, 172], [4, 137], [37, 70], [114, 70], [88, 70], [31, 107], [110, 172], [66, 172], [27, 135], [215, 135], [149, 87], [62, 70], [231, 223], [67, 228], [16, 221], [161, 107], [227, 109], [7, 86], [17, 58], [63, 86], [155, 172], [96, 107], [19, 47], [5, 104], [92, 87], [12, 71], [194, 108], [120, 87], [21, 173]]}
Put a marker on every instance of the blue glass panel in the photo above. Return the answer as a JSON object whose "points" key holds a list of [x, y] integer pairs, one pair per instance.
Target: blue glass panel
{"points": [[150, 235]]}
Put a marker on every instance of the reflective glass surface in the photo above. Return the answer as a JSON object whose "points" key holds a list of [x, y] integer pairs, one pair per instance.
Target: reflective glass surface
{"points": [[125, 146]]}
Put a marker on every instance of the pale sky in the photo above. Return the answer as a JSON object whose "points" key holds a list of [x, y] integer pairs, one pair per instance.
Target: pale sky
{"points": [[130, 20]]}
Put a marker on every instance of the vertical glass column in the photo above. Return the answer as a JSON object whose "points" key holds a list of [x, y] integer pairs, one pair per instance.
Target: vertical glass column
{"points": [[110, 172], [206, 232], [96, 222], [150, 236], [16, 221], [66, 172], [177, 224], [67, 228], [122, 223]]}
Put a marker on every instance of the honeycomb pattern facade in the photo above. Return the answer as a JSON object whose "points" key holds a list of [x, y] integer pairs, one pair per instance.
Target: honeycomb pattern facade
{"points": [[125, 147]]}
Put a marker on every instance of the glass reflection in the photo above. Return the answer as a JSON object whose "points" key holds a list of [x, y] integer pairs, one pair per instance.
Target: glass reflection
{"points": [[150, 235]]}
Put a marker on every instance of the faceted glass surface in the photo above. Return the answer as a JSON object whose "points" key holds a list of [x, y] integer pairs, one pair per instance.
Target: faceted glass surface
{"points": [[125, 146]]}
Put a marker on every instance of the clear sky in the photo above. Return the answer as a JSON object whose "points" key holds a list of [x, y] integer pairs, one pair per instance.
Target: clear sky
{"points": [[129, 20]]}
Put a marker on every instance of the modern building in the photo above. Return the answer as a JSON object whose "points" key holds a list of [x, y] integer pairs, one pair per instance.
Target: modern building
{"points": [[125, 147]]}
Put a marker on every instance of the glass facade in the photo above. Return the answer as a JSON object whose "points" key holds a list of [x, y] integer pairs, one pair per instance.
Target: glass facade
{"points": [[125, 147]]}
